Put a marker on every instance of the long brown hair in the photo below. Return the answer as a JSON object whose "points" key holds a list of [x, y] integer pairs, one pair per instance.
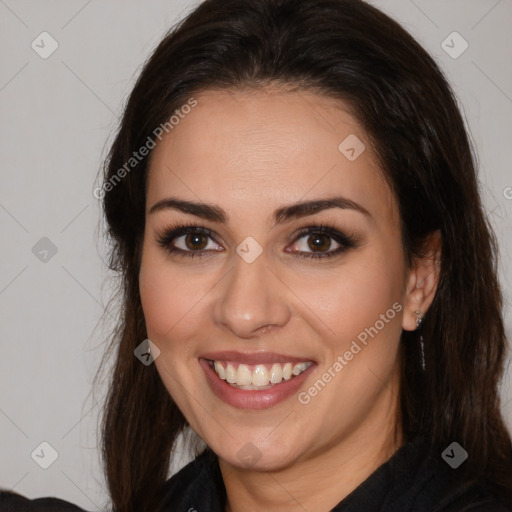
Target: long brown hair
{"points": [[349, 50]]}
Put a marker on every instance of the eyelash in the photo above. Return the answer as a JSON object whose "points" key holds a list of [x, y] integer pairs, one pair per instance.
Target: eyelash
{"points": [[175, 231]]}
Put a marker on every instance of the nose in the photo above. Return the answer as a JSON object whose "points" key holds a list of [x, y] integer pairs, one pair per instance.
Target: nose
{"points": [[252, 300]]}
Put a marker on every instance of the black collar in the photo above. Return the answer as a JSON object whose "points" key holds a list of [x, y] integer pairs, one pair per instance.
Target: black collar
{"points": [[410, 481]]}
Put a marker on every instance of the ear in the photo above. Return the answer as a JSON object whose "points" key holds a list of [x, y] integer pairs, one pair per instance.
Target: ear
{"points": [[422, 281]]}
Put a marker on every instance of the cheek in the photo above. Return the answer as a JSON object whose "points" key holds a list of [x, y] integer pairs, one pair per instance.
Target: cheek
{"points": [[356, 295], [361, 305], [157, 297], [169, 299]]}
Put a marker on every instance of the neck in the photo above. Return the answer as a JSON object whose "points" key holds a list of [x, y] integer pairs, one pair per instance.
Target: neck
{"points": [[337, 471]]}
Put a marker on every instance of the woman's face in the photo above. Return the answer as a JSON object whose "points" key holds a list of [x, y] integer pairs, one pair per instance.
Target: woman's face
{"points": [[251, 297]]}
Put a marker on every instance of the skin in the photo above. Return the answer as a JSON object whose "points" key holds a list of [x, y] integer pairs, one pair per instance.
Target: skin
{"points": [[250, 152]]}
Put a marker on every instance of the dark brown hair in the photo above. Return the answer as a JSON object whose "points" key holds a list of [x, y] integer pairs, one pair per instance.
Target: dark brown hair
{"points": [[349, 50]]}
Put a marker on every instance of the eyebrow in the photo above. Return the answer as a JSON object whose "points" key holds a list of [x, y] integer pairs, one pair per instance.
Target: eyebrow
{"points": [[281, 215]]}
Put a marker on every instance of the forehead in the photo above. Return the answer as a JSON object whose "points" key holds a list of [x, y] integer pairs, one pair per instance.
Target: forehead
{"points": [[256, 148]]}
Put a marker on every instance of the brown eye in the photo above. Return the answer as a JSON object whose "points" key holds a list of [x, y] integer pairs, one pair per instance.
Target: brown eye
{"points": [[195, 241], [319, 242], [188, 241]]}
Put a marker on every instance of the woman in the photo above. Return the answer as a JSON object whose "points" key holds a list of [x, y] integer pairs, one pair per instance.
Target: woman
{"points": [[294, 211]]}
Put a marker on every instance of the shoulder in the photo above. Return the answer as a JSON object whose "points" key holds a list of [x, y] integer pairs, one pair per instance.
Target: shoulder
{"points": [[13, 502], [416, 480], [474, 498], [444, 491]]}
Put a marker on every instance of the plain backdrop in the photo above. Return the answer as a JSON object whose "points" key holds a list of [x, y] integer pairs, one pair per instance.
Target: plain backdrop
{"points": [[58, 116]]}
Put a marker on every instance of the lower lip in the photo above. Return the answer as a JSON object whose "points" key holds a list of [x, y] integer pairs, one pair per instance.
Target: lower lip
{"points": [[253, 399]]}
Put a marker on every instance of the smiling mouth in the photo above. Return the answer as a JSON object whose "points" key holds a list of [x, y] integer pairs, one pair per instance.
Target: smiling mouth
{"points": [[257, 377]]}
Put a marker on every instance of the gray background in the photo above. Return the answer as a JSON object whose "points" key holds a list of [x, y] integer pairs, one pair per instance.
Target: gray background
{"points": [[58, 116]]}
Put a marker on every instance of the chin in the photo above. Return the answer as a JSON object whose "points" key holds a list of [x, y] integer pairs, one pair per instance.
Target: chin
{"points": [[257, 456]]}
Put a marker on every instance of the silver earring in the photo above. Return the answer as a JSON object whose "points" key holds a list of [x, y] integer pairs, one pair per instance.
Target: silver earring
{"points": [[419, 324]]}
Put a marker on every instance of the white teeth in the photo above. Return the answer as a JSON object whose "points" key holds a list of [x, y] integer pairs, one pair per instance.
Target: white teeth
{"points": [[260, 377], [220, 370], [230, 374], [276, 373], [299, 368], [243, 375], [252, 387]]}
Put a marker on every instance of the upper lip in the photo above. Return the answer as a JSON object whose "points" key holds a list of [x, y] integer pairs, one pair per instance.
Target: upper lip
{"points": [[253, 357]]}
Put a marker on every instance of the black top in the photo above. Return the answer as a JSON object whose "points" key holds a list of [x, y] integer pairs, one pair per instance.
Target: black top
{"points": [[410, 481]]}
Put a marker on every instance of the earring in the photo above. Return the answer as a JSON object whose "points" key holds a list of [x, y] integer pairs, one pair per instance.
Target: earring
{"points": [[419, 325]]}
